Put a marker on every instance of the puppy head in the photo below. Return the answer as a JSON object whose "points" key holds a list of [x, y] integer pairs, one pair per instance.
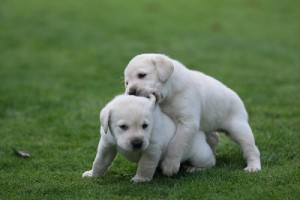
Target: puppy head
{"points": [[130, 120], [148, 73]]}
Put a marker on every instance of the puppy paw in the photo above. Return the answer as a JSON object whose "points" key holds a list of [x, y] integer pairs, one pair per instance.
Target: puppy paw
{"points": [[253, 167], [87, 174], [140, 179], [191, 169], [170, 167]]}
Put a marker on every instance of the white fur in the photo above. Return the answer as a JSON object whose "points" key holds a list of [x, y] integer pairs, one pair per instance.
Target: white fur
{"points": [[134, 112], [195, 102]]}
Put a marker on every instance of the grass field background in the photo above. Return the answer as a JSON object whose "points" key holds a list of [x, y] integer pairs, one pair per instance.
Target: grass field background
{"points": [[62, 61]]}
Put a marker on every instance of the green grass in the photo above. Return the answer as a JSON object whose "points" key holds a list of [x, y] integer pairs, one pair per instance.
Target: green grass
{"points": [[61, 61]]}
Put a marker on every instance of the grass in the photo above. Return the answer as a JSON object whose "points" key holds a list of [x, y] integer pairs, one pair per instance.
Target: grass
{"points": [[61, 61]]}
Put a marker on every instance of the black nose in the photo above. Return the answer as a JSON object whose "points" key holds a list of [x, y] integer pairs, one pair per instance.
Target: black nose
{"points": [[137, 144], [132, 92]]}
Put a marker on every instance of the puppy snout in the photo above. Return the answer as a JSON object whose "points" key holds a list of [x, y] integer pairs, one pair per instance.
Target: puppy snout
{"points": [[137, 143], [132, 91]]}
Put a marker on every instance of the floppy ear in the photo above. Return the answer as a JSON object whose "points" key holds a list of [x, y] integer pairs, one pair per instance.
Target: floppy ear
{"points": [[152, 100], [105, 118], [164, 67]]}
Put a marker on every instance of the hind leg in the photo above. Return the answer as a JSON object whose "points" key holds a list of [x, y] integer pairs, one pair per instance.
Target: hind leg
{"points": [[240, 132], [200, 154], [212, 139]]}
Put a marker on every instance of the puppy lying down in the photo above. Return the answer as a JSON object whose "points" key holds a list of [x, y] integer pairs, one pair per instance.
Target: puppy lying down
{"points": [[138, 129]]}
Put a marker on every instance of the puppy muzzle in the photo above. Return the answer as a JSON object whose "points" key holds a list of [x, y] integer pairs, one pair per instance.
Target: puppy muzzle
{"points": [[137, 144], [145, 93]]}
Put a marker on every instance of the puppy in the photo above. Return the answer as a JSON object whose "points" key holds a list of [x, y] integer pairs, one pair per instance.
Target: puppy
{"points": [[196, 102], [136, 127]]}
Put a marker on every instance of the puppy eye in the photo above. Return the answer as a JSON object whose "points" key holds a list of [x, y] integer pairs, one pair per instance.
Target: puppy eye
{"points": [[123, 127], [141, 75], [145, 126], [126, 83]]}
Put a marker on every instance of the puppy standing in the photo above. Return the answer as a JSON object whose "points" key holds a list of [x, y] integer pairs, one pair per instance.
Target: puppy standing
{"points": [[195, 102], [136, 127]]}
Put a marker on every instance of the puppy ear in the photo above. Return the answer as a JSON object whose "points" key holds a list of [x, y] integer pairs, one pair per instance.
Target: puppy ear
{"points": [[105, 115], [164, 67], [154, 99]]}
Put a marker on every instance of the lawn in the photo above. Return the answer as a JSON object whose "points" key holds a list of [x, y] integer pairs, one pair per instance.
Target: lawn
{"points": [[62, 61]]}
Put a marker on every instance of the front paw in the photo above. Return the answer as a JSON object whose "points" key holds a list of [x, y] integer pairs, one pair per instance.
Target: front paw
{"points": [[140, 179], [253, 167], [170, 166], [87, 174]]}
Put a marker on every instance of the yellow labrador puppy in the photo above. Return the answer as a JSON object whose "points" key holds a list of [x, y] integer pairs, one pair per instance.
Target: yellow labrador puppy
{"points": [[136, 127], [195, 102]]}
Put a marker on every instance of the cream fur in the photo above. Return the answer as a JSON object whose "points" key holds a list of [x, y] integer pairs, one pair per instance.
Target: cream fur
{"points": [[196, 102], [134, 112]]}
